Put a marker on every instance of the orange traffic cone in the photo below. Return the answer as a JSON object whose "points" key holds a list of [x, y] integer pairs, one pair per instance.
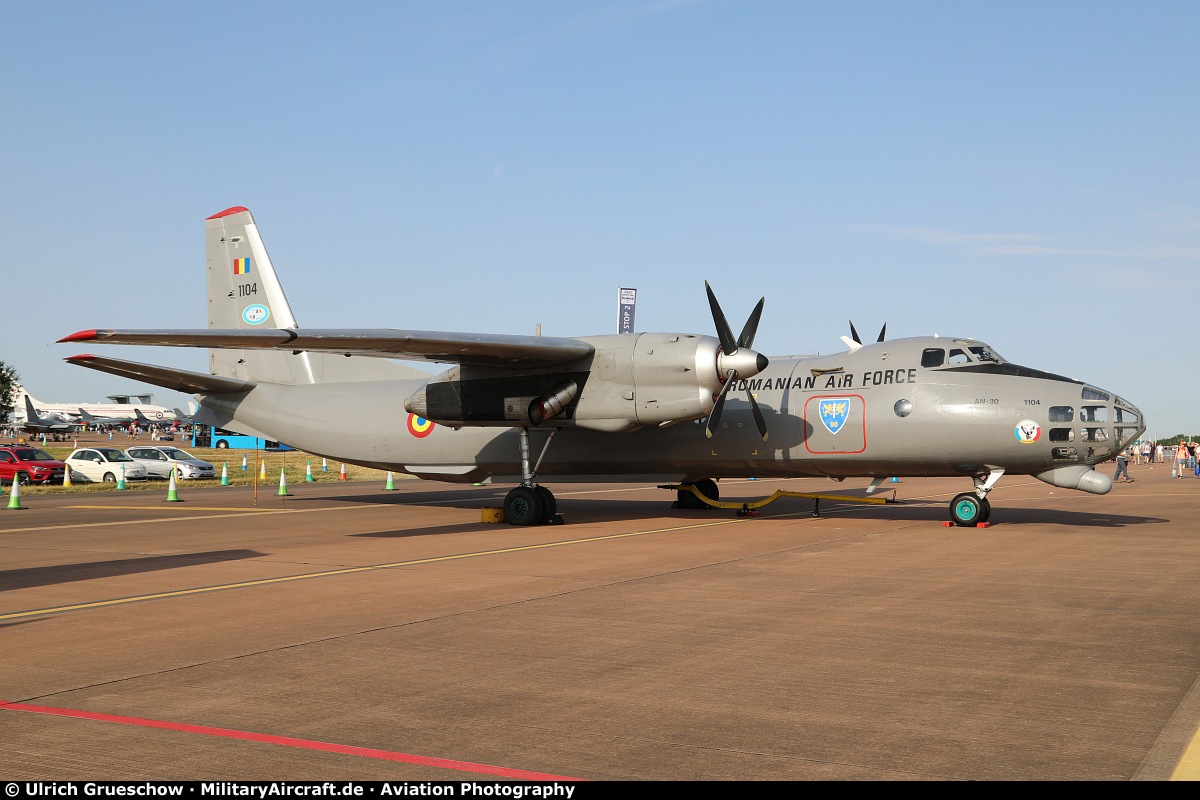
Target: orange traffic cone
{"points": [[342, 474]]}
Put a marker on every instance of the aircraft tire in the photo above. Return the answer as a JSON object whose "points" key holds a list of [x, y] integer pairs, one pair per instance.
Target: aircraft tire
{"points": [[966, 509], [524, 506], [706, 487], [549, 504], [987, 510]]}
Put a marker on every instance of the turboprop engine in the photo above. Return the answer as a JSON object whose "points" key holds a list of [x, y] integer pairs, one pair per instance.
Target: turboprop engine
{"points": [[628, 381]]}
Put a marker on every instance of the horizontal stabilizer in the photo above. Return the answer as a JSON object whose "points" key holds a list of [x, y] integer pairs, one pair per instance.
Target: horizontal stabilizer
{"points": [[451, 348], [181, 380]]}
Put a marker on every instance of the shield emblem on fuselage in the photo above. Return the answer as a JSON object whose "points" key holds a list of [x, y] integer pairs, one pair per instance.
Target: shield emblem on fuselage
{"points": [[836, 424], [833, 412]]}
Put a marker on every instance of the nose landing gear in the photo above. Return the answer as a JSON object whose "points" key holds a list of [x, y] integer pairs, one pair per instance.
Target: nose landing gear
{"points": [[972, 508]]}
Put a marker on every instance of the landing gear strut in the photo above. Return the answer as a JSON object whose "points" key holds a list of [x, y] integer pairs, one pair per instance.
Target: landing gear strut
{"points": [[530, 504], [971, 508]]}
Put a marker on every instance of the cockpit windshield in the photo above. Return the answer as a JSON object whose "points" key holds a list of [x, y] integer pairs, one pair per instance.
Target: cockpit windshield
{"points": [[984, 353], [964, 351]]}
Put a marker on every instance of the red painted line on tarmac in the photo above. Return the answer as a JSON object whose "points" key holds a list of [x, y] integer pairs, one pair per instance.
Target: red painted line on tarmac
{"points": [[287, 741]]}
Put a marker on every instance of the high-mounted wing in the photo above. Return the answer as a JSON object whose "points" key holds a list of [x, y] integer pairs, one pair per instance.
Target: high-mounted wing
{"points": [[492, 350]]}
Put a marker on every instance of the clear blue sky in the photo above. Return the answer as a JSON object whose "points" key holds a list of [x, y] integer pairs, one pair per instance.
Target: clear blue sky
{"points": [[1027, 173]]}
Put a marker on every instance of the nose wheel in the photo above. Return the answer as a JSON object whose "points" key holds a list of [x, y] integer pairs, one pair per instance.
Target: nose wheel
{"points": [[969, 509]]}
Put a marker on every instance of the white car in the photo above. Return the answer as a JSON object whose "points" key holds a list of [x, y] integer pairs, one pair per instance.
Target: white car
{"points": [[103, 465], [159, 461]]}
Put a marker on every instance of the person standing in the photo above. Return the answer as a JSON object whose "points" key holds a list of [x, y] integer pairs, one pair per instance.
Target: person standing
{"points": [[1122, 468], [1181, 459]]}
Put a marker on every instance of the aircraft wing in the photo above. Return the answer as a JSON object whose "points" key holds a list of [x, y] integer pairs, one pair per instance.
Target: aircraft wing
{"points": [[492, 350], [181, 380]]}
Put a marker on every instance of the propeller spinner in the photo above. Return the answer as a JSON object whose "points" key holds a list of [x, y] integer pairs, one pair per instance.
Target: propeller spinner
{"points": [[736, 361]]}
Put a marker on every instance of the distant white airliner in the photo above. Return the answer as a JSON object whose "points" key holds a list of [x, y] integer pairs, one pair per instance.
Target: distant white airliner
{"points": [[124, 408]]}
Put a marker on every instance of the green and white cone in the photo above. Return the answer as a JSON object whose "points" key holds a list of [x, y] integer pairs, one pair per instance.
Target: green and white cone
{"points": [[390, 485], [121, 480], [225, 474], [283, 492], [14, 497], [172, 490], [308, 476]]}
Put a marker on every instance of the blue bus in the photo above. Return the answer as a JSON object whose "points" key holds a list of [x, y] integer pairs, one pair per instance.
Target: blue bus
{"points": [[212, 436]]}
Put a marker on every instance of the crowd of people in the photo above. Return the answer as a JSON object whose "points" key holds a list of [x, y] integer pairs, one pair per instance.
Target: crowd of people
{"points": [[1181, 457]]}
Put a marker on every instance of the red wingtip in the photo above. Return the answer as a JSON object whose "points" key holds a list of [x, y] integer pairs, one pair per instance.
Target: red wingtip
{"points": [[83, 357], [80, 336], [228, 211]]}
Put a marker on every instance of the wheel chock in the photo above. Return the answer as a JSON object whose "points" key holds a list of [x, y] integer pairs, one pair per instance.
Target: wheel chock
{"points": [[947, 524], [983, 524], [492, 515]]}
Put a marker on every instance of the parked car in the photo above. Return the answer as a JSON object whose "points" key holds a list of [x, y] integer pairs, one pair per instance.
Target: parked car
{"points": [[159, 461], [104, 465], [29, 465]]}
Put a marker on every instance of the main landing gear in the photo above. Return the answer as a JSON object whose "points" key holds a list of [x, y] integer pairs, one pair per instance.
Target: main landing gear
{"points": [[972, 508], [530, 504]]}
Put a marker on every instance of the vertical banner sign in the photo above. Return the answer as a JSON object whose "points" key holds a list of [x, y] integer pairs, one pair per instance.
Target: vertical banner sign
{"points": [[627, 300]]}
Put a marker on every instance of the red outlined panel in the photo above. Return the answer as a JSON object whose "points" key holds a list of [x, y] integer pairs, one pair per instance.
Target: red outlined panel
{"points": [[838, 424]]}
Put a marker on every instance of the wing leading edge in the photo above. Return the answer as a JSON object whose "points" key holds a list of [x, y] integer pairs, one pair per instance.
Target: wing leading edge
{"points": [[492, 350]]}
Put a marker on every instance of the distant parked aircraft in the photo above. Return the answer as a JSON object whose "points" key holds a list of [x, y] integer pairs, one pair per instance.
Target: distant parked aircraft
{"points": [[118, 412]]}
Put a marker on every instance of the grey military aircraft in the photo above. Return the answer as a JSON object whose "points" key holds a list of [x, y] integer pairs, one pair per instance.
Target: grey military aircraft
{"points": [[35, 423], [613, 407]]}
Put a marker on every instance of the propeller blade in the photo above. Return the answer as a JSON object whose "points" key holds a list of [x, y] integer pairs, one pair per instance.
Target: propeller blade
{"points": [[724, 333], [751, 328], [758, 415], [714, 418], [882, 331], [854, 333]]}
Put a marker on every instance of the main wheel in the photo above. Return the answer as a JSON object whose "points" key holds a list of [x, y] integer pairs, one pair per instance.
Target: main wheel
{"points": [[524, 506], [987, 510], [23, 478], [706, 486], [549, 504], [967, 509]]}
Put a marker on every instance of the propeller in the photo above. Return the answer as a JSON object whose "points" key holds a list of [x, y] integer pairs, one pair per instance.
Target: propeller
{"points": [[855, 342], [736, 361]]}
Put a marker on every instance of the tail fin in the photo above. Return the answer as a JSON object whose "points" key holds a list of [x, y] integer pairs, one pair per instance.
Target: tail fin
{"points": [[31, 414], [244, 293]]}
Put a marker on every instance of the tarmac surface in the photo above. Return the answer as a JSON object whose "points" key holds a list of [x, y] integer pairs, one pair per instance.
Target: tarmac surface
{"points": [[346, 632]]}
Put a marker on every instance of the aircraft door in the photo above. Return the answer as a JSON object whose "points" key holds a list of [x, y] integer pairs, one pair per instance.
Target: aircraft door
{"points": [[837, 423]]}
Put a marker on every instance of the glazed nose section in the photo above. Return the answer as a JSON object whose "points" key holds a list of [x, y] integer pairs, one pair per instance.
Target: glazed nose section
{"points": [[1129, 423]]}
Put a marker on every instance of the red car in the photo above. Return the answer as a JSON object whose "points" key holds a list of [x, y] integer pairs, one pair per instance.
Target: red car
{"points": [[29, 465]]}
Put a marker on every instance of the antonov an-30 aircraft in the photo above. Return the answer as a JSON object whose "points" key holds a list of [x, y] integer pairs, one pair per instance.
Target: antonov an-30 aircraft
{"points": [[609, 407]]}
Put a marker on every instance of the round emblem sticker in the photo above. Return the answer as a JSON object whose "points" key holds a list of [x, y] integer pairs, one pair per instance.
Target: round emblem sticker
{"points": [[419, 426], [256, 314], [1027, 431]]}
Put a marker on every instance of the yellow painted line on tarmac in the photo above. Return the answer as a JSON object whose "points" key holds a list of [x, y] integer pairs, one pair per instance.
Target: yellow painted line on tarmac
{"points": [[353, 570], [234, 512], [1188, 768], [187, 508]]}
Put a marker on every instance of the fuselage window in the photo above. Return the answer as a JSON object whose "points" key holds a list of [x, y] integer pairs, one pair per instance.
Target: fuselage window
{"points": [[933, 357], [1126, 416], [1062, 414], [1094, 435], [1094, 394], [958, 356], [1093, 414], [1062, 434]]}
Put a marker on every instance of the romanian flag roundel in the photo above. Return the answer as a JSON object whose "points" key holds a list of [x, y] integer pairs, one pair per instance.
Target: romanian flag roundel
{"points": [[419, 426]]}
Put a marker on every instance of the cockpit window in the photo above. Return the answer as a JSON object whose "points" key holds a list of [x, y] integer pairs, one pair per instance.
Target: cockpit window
{"points": [[1094, 394], [984, 353], [933, 357], [959, 356]]}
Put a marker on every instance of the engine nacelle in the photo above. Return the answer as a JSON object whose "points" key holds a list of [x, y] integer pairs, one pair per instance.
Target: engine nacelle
{"points": [[630, 380]]}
